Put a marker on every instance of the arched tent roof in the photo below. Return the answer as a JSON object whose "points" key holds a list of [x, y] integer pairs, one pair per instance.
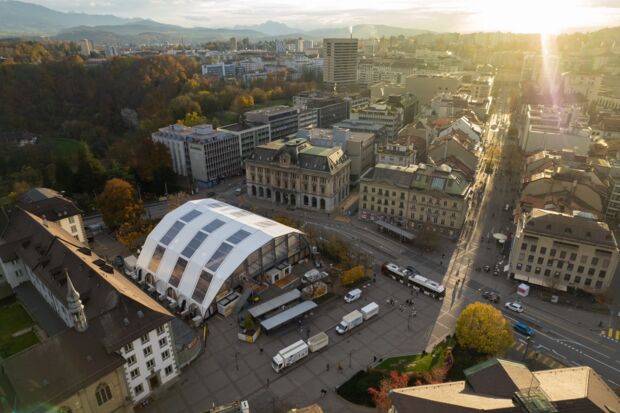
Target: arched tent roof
{"points": [[207, 236]]}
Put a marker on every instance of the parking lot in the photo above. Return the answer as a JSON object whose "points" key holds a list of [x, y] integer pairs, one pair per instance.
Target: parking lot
{"points": [[231, 370]]}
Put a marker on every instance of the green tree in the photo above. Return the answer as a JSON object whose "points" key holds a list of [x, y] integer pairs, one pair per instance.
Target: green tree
{"points": [[90, 173], [483, 328], [119, 205], [180, 106]]}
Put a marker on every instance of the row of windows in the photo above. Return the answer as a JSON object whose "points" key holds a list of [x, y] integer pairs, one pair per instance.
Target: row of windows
{"points": [[583, 259], [560, 264], [567, 277]]}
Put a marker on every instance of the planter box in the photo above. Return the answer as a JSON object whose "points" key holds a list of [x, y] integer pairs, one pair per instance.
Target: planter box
{"points": [[249, 338]]}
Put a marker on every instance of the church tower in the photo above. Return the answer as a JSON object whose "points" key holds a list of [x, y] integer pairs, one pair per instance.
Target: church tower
{"points": [[75, 306]]}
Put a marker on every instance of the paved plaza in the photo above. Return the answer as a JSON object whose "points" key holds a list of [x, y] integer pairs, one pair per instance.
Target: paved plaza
{"points": [[232, 370]]}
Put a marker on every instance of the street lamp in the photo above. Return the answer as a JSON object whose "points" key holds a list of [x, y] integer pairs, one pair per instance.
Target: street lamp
{"points": [[350, 353], [237, 360], [527, 347]]}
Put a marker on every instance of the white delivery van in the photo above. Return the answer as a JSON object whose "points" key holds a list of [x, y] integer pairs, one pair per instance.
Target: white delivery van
{"points": [[289, 355], [318, 341], [353, 295], [370, 310], [349, 322]]}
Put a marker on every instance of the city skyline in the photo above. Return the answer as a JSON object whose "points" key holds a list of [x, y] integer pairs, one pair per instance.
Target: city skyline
{"points": [[527, 16]]}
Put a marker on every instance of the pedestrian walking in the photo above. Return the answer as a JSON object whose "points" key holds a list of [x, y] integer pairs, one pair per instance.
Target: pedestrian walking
{"points": [[374, 359], [339, 367], [327, 367], [308, 332], [323, 392], [267, 381], [260, 350]]}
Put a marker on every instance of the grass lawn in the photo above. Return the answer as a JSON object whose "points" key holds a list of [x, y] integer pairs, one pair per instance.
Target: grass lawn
{"points": [[13, 318], [416, 363], [65, 146]]}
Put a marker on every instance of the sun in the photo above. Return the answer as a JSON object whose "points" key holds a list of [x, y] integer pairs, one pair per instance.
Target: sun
{"points": [[531, 16]]}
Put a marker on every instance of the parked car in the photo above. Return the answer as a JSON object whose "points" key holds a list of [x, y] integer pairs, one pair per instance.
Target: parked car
{"points": [[487, 268], [516, 307], [491, 296], [523, 328], [353, 295]]}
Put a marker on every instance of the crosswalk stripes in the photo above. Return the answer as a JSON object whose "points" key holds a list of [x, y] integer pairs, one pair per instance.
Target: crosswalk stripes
{"points": [[612, 334], [543, 359]]}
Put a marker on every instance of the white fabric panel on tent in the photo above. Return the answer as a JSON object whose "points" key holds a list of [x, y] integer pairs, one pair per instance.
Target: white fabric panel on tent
{"points": [[258, 231]]}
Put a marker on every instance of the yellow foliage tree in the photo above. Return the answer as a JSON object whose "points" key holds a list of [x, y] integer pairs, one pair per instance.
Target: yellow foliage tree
{"points": [[483, 328], [118, 204], [352, 275], [133, 234], [193, 119]]}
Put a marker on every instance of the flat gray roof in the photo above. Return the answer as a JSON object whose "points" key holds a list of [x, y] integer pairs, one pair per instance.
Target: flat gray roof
{"points": [[288, 315], [276, 302]]}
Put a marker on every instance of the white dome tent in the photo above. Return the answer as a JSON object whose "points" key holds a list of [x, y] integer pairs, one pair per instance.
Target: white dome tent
{"points": [[207, 246]]}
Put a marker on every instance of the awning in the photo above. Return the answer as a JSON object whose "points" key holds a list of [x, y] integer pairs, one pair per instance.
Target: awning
{"points": [[396, 230], [500, 237]]}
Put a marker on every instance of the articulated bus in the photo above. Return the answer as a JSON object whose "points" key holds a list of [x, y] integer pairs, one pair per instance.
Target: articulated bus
{"points": [[418, 282]]}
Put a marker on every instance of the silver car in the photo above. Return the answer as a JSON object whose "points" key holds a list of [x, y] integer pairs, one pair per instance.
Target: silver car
{"points": [[519, 308]]}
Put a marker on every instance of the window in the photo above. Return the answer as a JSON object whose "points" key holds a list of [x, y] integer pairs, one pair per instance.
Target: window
{"points": [[591, 271], [577, 279], [150, 364], [521, 256], [190, 216], [238, 236], [131, 360], [145, 338], [602, 274], [594, 261], [177, 272], [147, 351], [537, 270], [202, 286], [128, 347], [71, 220], [552, 252], [168, 370], [523, 246], [530, 258], [519, 266], [172, 233], [193, 245], [156, 258], [528, 268], [580, 269], [605, 264], [543, 250], [547, 272], [573, 256], [570, 266], [134, 373], [560, 264], [599, 285], [162, 342], [566, 277], [103, 394], [160, 330], [165, 355], [549, 262], [219, 256], [213, 225], [562, 254], [533, 248], [73, 229], [588, 282], [138, 389]]}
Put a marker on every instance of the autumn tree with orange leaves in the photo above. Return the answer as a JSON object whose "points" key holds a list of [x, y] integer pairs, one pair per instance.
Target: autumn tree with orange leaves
{"points": [[381, 396], [119, 204]]}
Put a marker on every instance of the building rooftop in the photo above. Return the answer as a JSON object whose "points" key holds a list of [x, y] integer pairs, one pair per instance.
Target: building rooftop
{"points": [[425, 177], [578, 228], [509, 387], [271, 110], [45, 202], [241, 126], [117, 312], [299, 152]]}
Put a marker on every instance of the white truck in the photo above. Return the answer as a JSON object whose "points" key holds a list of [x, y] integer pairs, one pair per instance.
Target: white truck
{"points": [[349, 322], [289, 355], [318, 341], [313, 276], [370, 310]]}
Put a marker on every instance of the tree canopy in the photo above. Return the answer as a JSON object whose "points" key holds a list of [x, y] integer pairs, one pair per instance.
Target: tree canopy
{"points": [[483, 328], [118, 204]]}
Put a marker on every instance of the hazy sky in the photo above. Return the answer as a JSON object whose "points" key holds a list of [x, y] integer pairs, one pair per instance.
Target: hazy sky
{"points": [[439, 15]]}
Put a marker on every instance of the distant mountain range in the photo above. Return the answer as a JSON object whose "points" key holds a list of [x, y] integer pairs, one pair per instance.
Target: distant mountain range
{"points": [[23, 19]]}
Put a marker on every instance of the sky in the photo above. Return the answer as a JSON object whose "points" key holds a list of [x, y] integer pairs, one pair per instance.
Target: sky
{"points": [[528, 16]]}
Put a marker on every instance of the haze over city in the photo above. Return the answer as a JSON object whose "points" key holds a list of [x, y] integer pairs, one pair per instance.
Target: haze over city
{"points": [[524, 16]]}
